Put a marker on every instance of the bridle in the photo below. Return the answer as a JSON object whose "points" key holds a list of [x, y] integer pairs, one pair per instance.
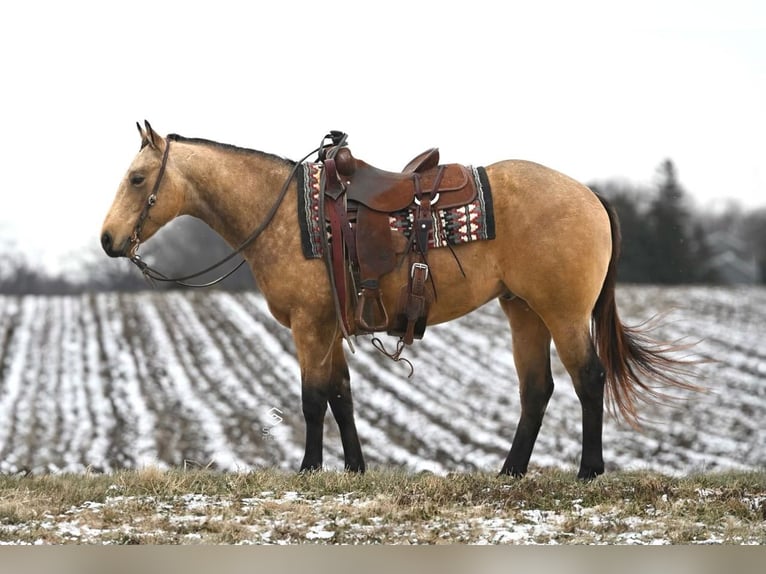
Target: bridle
{"points": [[152, 274], [135, 237]]}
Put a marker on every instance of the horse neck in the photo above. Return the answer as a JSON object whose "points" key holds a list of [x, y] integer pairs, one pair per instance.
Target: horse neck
{"points": [[231, 190]]}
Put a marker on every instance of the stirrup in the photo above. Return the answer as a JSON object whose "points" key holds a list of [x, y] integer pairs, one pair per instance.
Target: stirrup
{"points": [[371, 307]]}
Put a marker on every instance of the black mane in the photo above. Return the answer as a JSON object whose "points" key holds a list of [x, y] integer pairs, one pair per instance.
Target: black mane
{"points": [[230, 147]]}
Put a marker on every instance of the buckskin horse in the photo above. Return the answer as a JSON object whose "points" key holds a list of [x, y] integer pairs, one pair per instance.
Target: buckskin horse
{"points": [[551, 266]]}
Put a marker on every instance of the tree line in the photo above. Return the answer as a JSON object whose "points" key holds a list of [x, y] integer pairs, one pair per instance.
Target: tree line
{"points": [[184, 246], [665, 240]]}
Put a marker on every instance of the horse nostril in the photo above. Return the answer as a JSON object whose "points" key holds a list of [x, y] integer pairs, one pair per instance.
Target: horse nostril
{"points": [[106, 242]]}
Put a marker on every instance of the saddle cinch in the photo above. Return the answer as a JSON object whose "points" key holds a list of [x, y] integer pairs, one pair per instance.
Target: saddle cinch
{"points": [[358, 200]]}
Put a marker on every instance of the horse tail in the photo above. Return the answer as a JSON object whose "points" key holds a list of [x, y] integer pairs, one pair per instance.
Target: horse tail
{"points": [[638, 368]]}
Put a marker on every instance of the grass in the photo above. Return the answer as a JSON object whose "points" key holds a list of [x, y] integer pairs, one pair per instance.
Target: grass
{"points": [[154, 506]]}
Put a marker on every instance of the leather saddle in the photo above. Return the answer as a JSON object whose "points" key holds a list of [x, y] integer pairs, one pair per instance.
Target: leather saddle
{"points": [[359, 199]]}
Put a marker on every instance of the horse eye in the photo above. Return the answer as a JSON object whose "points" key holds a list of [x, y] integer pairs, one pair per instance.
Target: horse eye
{"points": [[137, 179]]}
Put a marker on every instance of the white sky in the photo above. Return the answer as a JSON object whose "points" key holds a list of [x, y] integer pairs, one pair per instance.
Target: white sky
{"points": [[591, 88]]}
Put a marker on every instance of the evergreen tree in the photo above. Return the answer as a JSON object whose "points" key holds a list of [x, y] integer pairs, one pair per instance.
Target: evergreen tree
{"points": [[754, 233], [635, 264], [671, 244]]}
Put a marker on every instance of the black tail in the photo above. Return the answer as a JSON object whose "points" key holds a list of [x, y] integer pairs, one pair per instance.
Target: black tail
{"points": [[638, 368]]}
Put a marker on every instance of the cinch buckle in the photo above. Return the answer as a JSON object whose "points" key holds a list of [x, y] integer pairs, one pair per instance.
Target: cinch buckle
{"points": [[422, 266]]}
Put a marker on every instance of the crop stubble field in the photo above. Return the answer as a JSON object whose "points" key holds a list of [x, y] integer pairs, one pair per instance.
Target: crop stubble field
{"points": [[107, 382], [114, 381]]}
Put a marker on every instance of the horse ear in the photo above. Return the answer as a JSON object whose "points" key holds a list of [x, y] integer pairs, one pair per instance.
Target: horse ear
{"points": [[151, 136], [144, 137]]}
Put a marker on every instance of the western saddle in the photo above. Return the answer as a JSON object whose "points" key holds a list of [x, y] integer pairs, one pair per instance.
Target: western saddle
{"points": [[356, 201]]}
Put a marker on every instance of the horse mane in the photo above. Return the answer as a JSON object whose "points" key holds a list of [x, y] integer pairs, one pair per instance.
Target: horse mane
{"points": [[230, 147]]}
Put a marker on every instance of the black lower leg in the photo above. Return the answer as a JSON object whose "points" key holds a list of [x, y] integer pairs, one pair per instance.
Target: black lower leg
{"points": [[314, 409], [342, 407], [590, 390]]}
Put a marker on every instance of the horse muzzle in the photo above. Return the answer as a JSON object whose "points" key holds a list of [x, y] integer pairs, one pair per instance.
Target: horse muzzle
{"points": [[107, 243]]}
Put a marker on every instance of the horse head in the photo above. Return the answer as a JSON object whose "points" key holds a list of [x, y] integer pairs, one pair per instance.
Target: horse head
{"points": [[149, 196]]}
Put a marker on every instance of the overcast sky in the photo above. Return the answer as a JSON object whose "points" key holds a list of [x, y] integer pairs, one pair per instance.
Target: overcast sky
{"points": [[588, 87]]}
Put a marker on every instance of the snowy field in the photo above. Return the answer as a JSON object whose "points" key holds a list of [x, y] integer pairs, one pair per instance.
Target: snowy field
{"points": [[105, 382]]}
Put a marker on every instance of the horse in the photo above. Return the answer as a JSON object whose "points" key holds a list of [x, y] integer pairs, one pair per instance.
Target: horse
{"points": [[552, 267]]}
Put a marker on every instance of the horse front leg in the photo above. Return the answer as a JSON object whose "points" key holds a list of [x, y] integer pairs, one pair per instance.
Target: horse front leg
{"points": [[342, 406], [325, 379], [316, 373], [314, 398]]}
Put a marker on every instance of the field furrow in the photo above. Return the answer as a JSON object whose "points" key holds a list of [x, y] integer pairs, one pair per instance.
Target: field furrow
{"points": [[76, 417], [124, 369], [272, 371], [96, 402], [411, 416], [202, 434], [226, 383], [204, 366], [23, 372], [249, 366], [9, 321]]}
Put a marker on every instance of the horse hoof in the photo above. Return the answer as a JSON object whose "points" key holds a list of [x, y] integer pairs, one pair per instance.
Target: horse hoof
{"points": [[513, 471], [588, 473]]}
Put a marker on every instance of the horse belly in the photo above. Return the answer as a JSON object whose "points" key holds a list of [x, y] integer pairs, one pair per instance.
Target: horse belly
{"points": [[451, 293]]}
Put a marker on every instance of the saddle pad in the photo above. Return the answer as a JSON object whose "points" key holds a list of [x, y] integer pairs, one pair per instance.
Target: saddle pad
{"points": [[472, 222]]}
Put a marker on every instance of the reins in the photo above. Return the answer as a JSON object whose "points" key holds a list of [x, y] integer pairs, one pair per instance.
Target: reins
{"points": [[326, 154], [153, 274]]}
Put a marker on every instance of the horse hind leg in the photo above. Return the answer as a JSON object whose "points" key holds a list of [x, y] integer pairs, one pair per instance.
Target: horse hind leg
{"points": [[531, 355], [576, 351]]}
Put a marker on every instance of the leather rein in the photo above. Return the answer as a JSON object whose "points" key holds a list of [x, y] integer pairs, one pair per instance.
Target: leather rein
{"points": [[152, 274]]}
